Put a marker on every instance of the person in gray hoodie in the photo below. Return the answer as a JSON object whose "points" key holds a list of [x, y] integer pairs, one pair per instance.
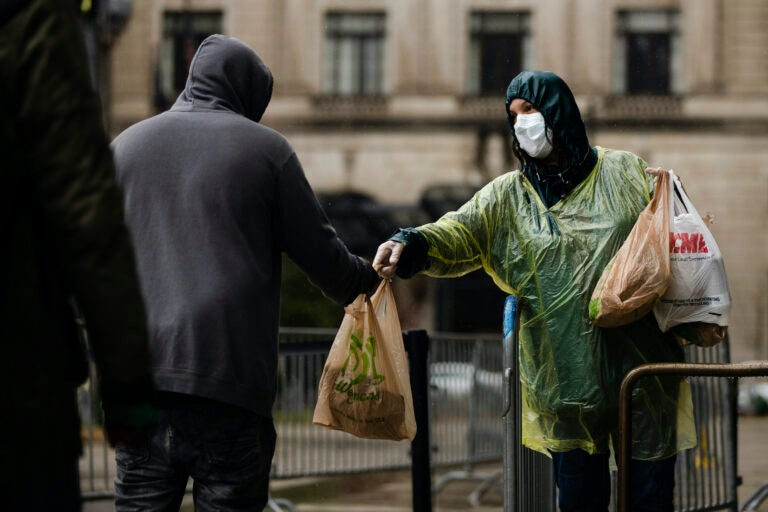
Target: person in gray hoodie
{"points": [[212, 200]]}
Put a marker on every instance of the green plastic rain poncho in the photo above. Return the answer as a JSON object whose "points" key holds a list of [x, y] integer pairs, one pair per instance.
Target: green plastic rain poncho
{"points": [[551, 257]]}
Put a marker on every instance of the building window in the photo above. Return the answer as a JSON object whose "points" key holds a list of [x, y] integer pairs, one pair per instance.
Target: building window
{"points": [[499, 48], [354, 53], [182, 34], [647, 53]]}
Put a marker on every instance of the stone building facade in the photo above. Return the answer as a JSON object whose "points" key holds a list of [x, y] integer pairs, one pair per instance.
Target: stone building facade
{"points": [[391, 97]]}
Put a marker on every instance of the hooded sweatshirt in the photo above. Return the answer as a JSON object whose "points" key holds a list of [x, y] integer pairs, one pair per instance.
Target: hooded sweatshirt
{"points": [[212, 199]]}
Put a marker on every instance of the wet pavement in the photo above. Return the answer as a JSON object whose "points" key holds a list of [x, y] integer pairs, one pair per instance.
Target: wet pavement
{"points": [[391, 491]]}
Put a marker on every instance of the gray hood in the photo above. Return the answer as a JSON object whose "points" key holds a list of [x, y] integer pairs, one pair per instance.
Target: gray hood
{"points": [[226, 75]]}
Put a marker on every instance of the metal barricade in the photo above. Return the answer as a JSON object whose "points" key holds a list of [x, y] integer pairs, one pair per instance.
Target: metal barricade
{"points": [[700, 484], [528, 475], [97, 464], [526, 479], [307, 450], [706, 477], [464, 403], [466, 384], [304, 449]]}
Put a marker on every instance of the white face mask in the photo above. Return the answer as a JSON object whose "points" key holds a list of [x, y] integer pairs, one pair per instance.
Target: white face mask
{"points": [[533, 135]]}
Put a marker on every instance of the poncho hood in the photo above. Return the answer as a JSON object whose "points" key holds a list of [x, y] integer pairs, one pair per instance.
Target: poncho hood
{"points": [[227, 75], [553, 98]]}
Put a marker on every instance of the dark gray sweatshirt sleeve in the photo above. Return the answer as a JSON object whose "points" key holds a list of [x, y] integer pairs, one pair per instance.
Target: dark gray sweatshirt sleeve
{"points": [[308, 238]]}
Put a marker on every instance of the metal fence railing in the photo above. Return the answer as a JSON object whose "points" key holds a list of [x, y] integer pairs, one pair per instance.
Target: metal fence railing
{"points": [[704, 487], [706, 476], [304, 449], [467, 413], [466, 384], [465, 407], [461, 423]]}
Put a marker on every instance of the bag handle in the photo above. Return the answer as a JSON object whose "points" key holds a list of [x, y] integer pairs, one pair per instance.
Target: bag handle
{"points": [[379, 293], [684, 199]]}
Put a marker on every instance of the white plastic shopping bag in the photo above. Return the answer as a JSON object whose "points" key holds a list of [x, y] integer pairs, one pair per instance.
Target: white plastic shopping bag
{"points": [[698, 286]]}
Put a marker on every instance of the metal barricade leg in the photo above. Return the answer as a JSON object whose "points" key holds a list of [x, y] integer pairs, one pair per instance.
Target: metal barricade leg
{"points": [[417, 347], [511, 413], [487, 480], [281, 505], [754, 501]]}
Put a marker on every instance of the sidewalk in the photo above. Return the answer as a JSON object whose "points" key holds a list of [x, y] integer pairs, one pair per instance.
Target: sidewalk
{"points": [[384, 492], [391, 491], [753, 456]]}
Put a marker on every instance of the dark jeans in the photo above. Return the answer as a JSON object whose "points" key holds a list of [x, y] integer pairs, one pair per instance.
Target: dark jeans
{"points": [[584, 483], [225, 449]]}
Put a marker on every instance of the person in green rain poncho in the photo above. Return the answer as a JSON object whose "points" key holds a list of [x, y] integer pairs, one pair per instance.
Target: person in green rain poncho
{"points": [[545, 233]]}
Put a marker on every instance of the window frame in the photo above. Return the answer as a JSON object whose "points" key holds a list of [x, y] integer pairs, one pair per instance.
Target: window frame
{"points": [[366, 81], [630, 23], [169, 63], [480, 30]]}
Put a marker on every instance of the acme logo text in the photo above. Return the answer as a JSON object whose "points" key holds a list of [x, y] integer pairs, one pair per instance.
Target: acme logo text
{"points": [[687, 243]]}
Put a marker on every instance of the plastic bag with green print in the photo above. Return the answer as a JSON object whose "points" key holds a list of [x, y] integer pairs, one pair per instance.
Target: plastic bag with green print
{"points": [[365, 388]]}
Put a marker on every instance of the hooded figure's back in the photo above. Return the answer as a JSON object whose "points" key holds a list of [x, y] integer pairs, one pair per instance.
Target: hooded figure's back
{"points": [[212, 199], [226, 75]]}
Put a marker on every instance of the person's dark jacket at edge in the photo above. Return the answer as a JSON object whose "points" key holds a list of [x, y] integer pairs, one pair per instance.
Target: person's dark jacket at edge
{"points": [[65, 243], [212, 200]]}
